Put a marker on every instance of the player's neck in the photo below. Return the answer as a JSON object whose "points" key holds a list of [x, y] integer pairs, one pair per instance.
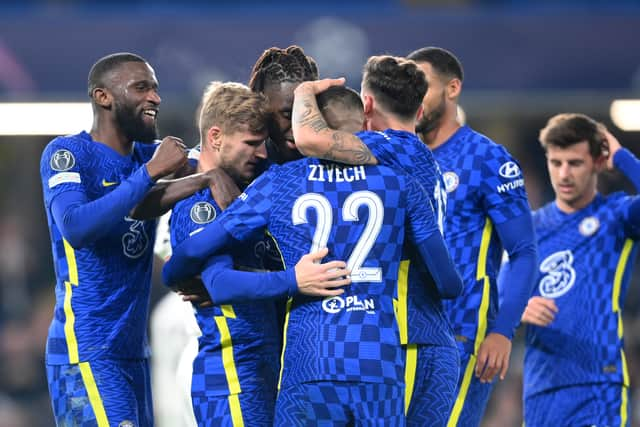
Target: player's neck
{"points": [[438, 136], [382, 122], [206, 162], [574, 206], [111, 136]]}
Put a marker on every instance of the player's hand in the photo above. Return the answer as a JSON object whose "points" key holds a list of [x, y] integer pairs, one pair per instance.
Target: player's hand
{"points": [[320, 280], [540, 311], [493, 357], [170, 156], [194, 291], [612, 146], [223, 188], [317, 86]]}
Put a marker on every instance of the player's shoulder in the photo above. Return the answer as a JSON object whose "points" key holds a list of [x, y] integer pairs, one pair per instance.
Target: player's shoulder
{"points": [[68, 146], [543, 214], [202, 197], [617, 200], [199, 208]]}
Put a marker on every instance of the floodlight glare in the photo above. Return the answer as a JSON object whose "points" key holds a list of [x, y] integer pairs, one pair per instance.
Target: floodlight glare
{"points": [[44, 118]]}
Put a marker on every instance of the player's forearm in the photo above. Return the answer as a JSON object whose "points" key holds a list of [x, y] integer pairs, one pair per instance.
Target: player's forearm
{"points": [[435, 256], [629, 165], [633, 218], [227, 286], [517, 279], [167, 193], [314, 138], [189, 257], [82, 222]]}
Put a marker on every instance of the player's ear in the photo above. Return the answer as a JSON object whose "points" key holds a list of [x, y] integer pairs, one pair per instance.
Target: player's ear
{"points": [[453, 88], [600, 163], [214, 137], [102, 97], [368, 105], [419, 113]]}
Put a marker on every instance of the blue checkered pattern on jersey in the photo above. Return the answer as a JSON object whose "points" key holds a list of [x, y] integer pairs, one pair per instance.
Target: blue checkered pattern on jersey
{"points": [[585, 262], [353, 337], [327, 403], [110, 302], [426, 321], [483, 183], [254, 330]]}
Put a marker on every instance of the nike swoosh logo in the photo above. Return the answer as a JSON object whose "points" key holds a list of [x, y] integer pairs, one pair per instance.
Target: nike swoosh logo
{"points": [[106, 183]]}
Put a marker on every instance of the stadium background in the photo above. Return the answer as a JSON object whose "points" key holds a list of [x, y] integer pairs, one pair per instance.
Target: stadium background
{"points": [[524, 61]]}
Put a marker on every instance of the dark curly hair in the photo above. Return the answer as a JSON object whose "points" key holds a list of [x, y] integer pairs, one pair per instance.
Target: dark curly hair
{"points": [[277, 65]]}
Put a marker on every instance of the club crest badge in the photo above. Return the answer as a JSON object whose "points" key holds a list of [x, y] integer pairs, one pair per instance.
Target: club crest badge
{"points": [[589, 226], [451, 181]]}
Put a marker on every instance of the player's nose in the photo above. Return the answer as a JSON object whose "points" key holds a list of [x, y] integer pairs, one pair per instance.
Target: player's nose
{"points": [[261, 151]]}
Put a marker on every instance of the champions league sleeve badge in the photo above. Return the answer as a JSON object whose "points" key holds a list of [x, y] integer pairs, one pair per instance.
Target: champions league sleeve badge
{"points": [[62, 160], [202, 213]]}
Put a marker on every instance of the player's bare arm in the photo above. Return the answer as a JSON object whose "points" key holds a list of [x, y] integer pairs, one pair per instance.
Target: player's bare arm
{"points": [[161, 198], [314, 137], [223, 188]]}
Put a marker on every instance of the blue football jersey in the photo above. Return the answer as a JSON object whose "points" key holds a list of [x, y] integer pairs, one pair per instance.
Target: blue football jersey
{"points": [[421, 316], [240, 344], [585, 266], [102, 290], [485, 187], [361, 214]]}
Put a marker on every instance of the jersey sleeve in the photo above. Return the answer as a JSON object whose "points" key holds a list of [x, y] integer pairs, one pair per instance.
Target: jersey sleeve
{"points": [[60, 168], [629, 165], [501, 189], [420, 214], [631, 216], [227, 286], [188, 217], [82, 221]]}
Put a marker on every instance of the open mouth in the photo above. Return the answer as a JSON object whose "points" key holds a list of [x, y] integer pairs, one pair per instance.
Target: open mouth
{"points": [[150, 115]]}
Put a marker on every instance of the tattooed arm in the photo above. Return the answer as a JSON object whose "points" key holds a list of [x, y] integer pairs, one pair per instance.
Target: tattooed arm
{"points": [[313, 136]]}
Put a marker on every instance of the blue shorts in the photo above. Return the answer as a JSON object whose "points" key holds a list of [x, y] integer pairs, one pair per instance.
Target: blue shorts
{"points": [[334, 403], [472, 396], [101, 393], [249, 408], [431, 381], [600, 405]]}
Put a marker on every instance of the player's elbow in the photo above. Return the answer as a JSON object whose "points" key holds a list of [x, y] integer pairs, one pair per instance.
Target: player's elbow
{"points": [[453, 288], [76, 238]]}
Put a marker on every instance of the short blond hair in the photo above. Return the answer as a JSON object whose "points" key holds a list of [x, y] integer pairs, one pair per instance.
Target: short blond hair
{"points": [[232, 107]]}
